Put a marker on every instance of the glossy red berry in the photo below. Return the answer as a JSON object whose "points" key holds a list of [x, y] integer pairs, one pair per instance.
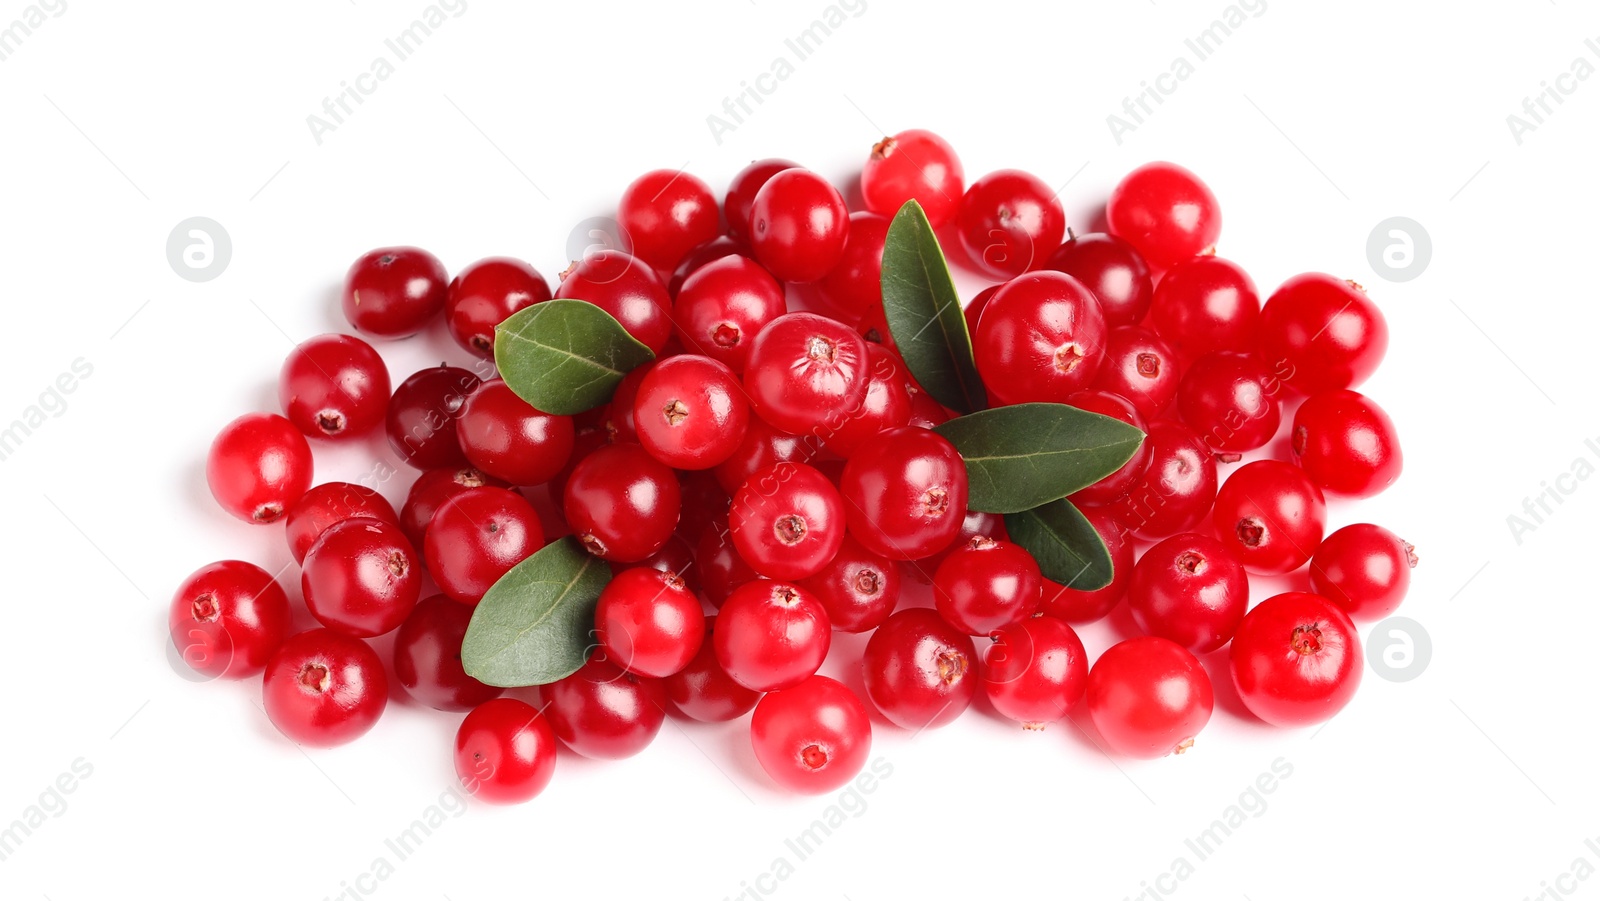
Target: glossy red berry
{"points": [[1231, 400], [905, 493], [1346, 443], [227, 618], [1270, 516], [324, 688], [666, 213], [431, 490], [858, 588], [915, 164], [1140, 367], [805, 370], [723, 305], [986, 586], [1010, 222], [1363, 570], [1035, 671], [713, 250], [762, 446], [973, 311], [423, 416], [649, 622], [721, 567], [886, 405], [485, 294], [427, 656], [505, 752], [1079, 606], [704, 691], [771, 635], [361, 577], [476, 537], [1148, 697], [742, 190], [329, 503], [393, 292], [798, 225], [1190, 589], [1113, 270], [504, 436], [1206, 304], [787, 521], [1119, 408], [1176, 490], [604, 712], [690, 412], [622, 503], [627, 288], [676, 557], [812, 737], [1295, 660], [258, 466], [854, 286], [1042, 337], [334, 386], [1322, 333], [919, 671], [1165, 211], [617, 417]]}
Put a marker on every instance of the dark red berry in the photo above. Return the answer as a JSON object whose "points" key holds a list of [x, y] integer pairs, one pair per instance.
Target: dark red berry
{"points": [[704, 691], [855, 284], [905, 493], [392, 292], [1189, 588], [329, 503], [485, 294], [476, 537], [503, 435], [622, 503], [427, 656], [742, 192], [431, 490], [1231, 400], [423, 413], [1177, 488], [858, 588]]}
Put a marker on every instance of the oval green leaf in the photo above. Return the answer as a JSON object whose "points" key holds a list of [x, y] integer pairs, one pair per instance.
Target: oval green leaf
{"points": [[535, 624], [565, 356], [924, 312], [1021, 456], [1069, 550]]}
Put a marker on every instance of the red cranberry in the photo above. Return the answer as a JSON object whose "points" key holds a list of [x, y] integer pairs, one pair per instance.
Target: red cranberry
{"points": [[392, 292], [427, 656], [485, 294], [334, 386]]}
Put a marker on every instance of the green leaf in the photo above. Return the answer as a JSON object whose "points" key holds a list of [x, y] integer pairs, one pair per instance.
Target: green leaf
{"points": [[924, 312], [1021, 456], [534, 625], [565, 356], [1069, 550]]}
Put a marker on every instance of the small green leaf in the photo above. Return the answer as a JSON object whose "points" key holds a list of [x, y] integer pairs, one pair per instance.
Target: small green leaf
{"points": [[1069, 550], [565, 356], [534, 625], [1021, 456], [924, 312]]}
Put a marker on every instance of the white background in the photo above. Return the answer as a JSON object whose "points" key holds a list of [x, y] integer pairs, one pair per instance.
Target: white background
{"points": [[511, 124]]}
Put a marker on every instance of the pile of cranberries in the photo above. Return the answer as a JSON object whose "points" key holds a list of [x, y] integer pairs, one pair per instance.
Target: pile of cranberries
{"points": [[708, 484]]}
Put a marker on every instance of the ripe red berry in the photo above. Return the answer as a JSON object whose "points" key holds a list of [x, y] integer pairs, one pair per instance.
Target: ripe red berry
{"points": [[742, 192], [854, 285], [1176, 490], [973, 311], [1346, 443], [798, 225], [649, 622], [431, 490], [485, 294], [918, 670], [505, 752], [813, 737], [504, 436], [713, 250], [1322, 333], [622, 503], [1042, 337], [886, 405], [1010, 222], [915, 164], [423, 416], [771, 635], [986, 586], [628, 289], [329, 503], [392, 292], [1077, 606], [1190, 589], [1165, 211], [1140, 367], [1206, 304], [690, 412], [804, 370], [476, 537], [361, 577], [1231, 400], [905, 493], [676, 557], [1035, 671], [334, 386], [1148, 697], [427, 656], [1295, 660], [1113, 270], [258, 466], [761, 447], [1270, 516], [704, 691], [721, 568], [323, 688], [1119, 408], [604, 712], [1363, 570], [787, 521], [723, 305], [665, 214], [227, 618], [858, 588]]}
